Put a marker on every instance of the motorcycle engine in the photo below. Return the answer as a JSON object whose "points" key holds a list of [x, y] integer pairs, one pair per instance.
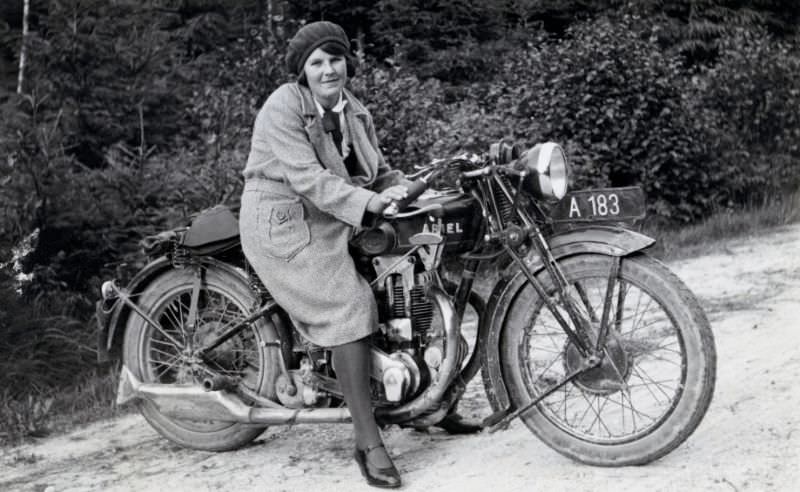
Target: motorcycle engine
{"points": [[412, 348]]}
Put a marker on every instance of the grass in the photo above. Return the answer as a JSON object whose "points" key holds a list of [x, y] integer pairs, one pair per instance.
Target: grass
{"points": [[678, 242], [92, 397], [40, 414]]}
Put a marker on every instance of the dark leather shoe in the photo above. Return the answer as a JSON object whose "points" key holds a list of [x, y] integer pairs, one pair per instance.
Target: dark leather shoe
{"points": [[387, 478], [456, 424]]}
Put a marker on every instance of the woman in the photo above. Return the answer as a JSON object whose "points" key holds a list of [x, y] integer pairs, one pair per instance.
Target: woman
{"points": [[314, 173]]}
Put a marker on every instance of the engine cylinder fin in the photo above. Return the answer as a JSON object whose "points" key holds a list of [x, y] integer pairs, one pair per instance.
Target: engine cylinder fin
{"points": [[421, 309], [398, 301]]}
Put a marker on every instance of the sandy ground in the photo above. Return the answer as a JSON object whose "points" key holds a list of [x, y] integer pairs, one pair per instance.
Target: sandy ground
{"points": [[749, 440]]}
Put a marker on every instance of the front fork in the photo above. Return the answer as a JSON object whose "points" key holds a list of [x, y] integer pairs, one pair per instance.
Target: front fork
{"points": [[592, 352]]}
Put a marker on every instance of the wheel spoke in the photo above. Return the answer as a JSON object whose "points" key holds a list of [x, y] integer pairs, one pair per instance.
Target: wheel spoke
{"points": [[168, 354], [165, 343], [600, 419], [166, 369], [596, 413], [171, 359], [650, 355], [174, 312], [638, 370], [633, 409], [644, 312]]}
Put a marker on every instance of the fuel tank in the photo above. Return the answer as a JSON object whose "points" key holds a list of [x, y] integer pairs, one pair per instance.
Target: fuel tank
{"points": [[453, 215]]}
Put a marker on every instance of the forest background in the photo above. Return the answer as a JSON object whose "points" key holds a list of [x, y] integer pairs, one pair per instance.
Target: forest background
{"points": [[129, 116]]}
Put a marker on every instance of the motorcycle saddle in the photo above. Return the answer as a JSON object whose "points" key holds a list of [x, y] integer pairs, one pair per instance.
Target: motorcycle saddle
{"points": [[213, 230]]}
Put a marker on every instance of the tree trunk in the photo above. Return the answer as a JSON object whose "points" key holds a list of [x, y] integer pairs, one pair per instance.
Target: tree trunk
{"points": [[269, 19], [23, 45]]}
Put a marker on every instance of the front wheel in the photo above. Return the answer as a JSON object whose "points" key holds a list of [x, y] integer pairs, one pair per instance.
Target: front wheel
{"points": [[170, 355], [655, 382]]}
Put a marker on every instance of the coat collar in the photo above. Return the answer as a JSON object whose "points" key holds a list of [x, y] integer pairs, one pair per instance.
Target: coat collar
{"points": [[354, 106], [357, 117]]}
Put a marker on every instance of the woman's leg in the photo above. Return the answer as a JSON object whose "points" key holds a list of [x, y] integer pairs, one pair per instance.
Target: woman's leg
{"points": [[352, 364]]}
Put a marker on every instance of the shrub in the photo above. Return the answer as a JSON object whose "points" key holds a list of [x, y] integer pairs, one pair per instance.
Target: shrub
{"points": [[608, 93], [749, 101], [404, 110]]}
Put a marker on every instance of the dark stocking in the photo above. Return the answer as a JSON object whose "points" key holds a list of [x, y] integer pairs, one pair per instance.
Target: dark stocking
{"points": [[352, 364]]}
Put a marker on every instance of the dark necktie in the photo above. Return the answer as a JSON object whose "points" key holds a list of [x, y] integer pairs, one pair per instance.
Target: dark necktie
{"points": [[330, 122]]}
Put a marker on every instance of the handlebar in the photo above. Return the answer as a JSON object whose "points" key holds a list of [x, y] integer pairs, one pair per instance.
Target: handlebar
{"points": [[426, 176]]}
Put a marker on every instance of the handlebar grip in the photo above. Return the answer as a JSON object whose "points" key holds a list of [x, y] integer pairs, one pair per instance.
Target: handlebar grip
{"points": [[415, 189]]}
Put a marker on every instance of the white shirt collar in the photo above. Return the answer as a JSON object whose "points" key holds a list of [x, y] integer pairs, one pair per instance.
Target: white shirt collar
{"points": [[337, 108]]}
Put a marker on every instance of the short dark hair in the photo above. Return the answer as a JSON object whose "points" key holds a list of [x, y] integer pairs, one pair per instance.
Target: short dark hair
{"points": [[338, 50]]}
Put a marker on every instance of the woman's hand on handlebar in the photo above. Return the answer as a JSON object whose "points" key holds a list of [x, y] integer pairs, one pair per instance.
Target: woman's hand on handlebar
{"points": [[380, 201]]}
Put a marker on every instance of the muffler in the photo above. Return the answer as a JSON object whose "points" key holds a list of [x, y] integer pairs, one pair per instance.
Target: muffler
{"points": [[194, 402]]}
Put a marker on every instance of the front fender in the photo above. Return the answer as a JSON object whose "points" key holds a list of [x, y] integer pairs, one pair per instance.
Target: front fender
{"points": [[605, 240]]}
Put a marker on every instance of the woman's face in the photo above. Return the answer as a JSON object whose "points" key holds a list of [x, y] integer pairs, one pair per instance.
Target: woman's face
{"points": [[326, 75]]}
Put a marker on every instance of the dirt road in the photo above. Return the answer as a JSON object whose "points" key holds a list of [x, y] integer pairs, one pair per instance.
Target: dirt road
{"points": [[749, 440]]}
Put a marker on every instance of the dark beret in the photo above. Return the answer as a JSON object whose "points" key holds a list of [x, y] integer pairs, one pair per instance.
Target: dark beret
{"points": [[310, 37]]}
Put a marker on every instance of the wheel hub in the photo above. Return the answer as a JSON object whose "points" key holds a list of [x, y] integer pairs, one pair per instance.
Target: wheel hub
{"points": [[609, 376]]}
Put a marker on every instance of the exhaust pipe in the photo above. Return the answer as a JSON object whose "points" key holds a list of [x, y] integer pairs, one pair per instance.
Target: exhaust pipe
{"points": [[193, 402]]}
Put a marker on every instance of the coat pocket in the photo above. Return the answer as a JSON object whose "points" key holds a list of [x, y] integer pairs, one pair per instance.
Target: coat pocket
{"points": [[285, 228]]}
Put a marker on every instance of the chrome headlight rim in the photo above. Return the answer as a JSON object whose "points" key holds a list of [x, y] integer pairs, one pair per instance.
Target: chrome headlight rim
{"points": [[553, 170], [548, 171]]}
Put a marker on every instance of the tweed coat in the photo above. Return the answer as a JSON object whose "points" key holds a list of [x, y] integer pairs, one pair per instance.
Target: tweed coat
{"points": [[300, 207]]}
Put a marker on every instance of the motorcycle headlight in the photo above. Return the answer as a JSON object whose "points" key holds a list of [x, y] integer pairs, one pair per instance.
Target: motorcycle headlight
{"points": [[548, 171]]}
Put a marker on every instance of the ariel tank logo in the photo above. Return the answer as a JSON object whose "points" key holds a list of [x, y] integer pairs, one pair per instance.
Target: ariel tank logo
{"points": [[443, 228]]}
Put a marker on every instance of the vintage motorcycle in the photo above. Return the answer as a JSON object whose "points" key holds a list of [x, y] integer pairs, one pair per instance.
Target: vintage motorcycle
{"points": [[602, 352]]}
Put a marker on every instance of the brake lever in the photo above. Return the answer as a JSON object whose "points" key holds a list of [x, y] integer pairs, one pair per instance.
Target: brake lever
{"points": [[425, 168], [417, 174]]}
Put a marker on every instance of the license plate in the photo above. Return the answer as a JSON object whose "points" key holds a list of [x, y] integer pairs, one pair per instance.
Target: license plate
{"points": [[601, 205]]}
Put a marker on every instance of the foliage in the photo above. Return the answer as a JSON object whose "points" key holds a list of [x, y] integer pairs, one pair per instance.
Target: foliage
{"points": [[23, 417], [414, 33], [120, 133], [352, 15], [749, 99], [404, 130], [115, 141], [698, 29], [421, 34], [627, 111], [616, 101]]}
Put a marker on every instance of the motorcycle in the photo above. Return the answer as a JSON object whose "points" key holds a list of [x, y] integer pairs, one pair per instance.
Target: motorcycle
{"points": [[600, 350]]}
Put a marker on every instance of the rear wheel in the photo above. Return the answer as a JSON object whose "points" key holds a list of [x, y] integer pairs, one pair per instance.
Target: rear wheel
{"points": [[654, 384], [153, 356]]}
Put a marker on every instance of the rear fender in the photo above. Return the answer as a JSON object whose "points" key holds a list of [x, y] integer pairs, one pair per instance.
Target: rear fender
{"points": [[120, 312], [605, 240]]}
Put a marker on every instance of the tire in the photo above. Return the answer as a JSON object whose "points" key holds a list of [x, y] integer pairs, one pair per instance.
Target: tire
{"points": [[149, 355], [662, 348]]}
